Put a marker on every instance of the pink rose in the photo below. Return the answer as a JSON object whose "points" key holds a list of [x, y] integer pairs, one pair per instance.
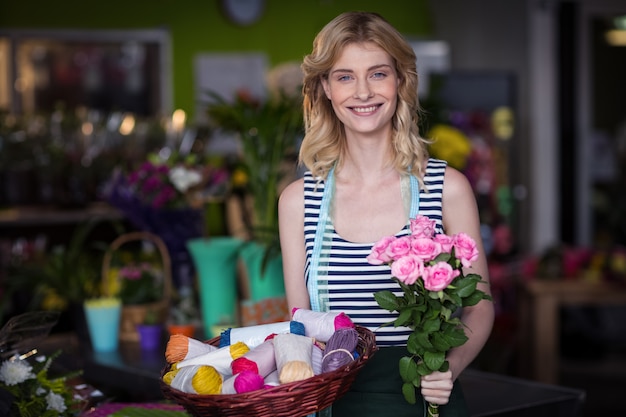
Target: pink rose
{"points": [[445, 241], [399, 247], [422, 226], [425, 248], [465, 249], [407, 269], [378, 255], [437, 277]]}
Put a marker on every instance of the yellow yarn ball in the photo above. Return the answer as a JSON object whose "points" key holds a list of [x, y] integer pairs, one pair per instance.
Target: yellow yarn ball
{"points": [[207, 381], [238, 349], [169, 375]]}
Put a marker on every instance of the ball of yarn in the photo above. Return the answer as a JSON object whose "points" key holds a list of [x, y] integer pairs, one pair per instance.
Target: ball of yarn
{"points": [[247, 381], [207, 381], [339, 349], [180, 347], [244, 364]]}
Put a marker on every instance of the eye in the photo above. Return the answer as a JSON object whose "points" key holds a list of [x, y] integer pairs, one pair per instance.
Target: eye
{"points": [[344, 77], [379, 74]]}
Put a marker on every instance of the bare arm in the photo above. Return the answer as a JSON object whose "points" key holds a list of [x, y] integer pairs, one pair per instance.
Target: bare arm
{"points": [[460, 214], [291, 229]]}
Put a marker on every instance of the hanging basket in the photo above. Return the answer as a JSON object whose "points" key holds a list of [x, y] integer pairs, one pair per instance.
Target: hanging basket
{"points": [[132, 315], [294, 399]]}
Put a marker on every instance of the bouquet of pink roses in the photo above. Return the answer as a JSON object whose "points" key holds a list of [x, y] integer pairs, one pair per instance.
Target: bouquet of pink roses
{"points": [[429, 269]]}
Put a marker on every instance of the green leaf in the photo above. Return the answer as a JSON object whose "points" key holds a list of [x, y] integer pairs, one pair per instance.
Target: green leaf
{"points": [[455, 299], [442, 257], [440, 343], [456, 337], [408, 390], [473, 299], [414, 344], [465, 287], [403, 318], [387, 300], [422, 340], [408, 369], [446, 313], [434, 360], [422, 369], [431, 325]]}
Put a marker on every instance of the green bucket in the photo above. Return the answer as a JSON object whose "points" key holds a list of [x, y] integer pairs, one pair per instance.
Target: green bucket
{"points": [[215, 260]]}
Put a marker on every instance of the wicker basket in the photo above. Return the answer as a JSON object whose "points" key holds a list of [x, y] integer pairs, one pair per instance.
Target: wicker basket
{"points": [[132, 315], [294, 399]]}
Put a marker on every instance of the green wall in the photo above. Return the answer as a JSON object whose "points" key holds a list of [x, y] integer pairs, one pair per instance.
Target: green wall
{"points": [[285, 31]]}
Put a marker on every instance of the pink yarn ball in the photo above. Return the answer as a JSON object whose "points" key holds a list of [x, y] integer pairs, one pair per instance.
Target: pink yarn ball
{"points": [[343, 321], [242, 364], [248, 381]]}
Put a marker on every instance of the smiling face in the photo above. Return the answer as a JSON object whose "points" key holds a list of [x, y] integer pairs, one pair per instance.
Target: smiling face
{"points": [[362, 87]]}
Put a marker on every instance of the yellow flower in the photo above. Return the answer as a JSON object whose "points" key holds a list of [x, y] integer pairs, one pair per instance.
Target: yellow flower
{"points": [[240, 178], [52, 301], [450, 144]]}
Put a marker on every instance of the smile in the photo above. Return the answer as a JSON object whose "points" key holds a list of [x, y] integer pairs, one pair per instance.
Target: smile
{"points": [[367, 109]]}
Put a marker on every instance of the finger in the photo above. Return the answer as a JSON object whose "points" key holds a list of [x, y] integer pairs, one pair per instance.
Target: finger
{"points": [[439, 398]]}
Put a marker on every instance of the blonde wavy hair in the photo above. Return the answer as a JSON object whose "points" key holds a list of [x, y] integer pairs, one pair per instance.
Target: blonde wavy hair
{"points": [[324, 143]]}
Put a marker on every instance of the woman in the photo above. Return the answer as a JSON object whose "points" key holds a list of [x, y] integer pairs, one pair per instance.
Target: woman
{"points": [[362, 149]]}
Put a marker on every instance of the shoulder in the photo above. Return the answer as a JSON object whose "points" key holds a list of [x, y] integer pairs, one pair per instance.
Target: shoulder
{"points": [[292, 196], [456, 184], [459, 208]]}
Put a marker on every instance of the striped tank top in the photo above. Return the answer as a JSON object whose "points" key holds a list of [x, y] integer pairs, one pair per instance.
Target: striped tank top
{"points": [[346, 280]]}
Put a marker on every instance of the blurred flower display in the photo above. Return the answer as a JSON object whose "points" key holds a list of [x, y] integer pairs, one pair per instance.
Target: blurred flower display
{"points": [[167, 197], [268, 129]]}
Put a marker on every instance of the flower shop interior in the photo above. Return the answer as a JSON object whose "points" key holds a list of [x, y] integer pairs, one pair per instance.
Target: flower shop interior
{"points": [[143, 146]]}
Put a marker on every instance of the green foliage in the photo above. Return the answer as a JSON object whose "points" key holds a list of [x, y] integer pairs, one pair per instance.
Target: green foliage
{"points": [[268, 131], [435, 330], [30, 393], [70, 273]]}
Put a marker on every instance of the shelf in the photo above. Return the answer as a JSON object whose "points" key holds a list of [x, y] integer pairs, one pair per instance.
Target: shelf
{"points": [[43, 216]]}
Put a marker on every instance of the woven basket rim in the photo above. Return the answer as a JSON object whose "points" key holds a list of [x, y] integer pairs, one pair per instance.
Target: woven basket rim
{"points": [[165, 259], [235, 403]]}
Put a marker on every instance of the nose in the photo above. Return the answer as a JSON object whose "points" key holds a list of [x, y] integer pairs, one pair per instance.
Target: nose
{"points": [[363, 90]]}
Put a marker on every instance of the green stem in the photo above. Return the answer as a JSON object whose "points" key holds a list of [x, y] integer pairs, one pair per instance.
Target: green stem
{"points": [[433, 410]]}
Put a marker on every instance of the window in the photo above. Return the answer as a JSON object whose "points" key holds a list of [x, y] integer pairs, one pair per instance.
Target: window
{"points": [[100, 70]]}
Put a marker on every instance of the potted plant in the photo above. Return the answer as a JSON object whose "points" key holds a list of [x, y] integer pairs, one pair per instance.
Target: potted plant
{"points": [[137, 269], [62, 277], [184, 314], [268, 129], [150, 331]]}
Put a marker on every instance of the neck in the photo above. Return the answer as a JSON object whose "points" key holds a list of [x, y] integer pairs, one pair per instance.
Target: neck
{"points": [[365, 161]]}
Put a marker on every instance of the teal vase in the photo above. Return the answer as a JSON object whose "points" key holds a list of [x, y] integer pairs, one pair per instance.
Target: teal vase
{"points": [[263, 282], [215, 260]]}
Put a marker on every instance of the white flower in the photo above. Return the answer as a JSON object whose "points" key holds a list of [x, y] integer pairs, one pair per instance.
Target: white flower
{"points": [[183, 178], [55, 402], [15, 372]]}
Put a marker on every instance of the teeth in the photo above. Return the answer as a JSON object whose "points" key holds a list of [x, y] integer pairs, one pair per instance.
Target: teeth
{"points": [[364, 109]]}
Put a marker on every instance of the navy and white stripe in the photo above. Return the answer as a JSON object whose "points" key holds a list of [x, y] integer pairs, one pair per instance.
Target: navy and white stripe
{"points": [[346, 280]]}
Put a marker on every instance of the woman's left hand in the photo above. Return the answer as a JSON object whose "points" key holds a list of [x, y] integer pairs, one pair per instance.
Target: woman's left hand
{"points": [[437, 387]]}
